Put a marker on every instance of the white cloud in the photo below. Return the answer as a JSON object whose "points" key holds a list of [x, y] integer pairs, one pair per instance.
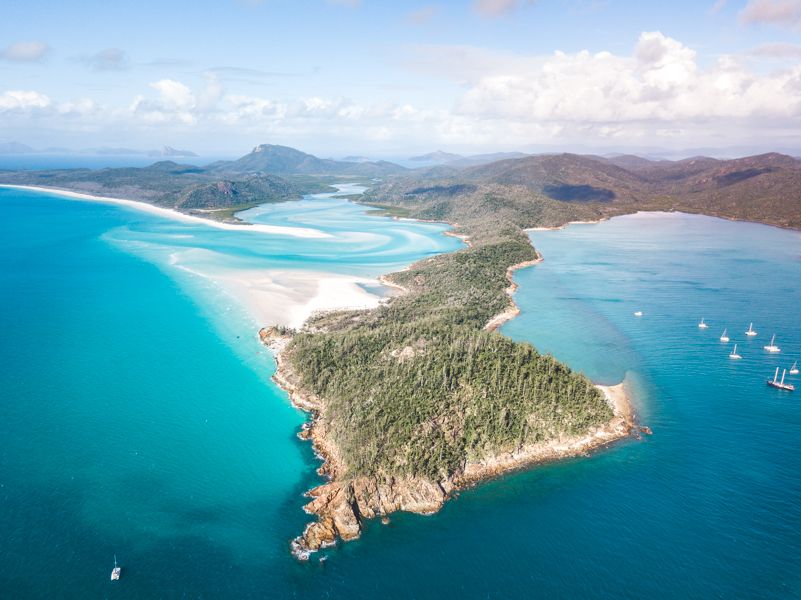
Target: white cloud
{"points": [[659, 92], [661, 82], [785, 13], [25, 52], [23, 101]]}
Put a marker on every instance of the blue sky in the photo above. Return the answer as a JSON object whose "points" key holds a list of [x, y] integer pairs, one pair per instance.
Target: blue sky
{"points": [[394, 78]]}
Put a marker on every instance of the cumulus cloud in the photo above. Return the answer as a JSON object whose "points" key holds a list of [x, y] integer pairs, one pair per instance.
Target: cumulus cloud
{"points": [[23, 101], [660, 82], [109, 59], [785, 13], [25, 52], [660, 91]]}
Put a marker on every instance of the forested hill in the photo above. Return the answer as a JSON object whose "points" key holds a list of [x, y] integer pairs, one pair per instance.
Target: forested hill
{"points": [[764, 188], [267, 174]]}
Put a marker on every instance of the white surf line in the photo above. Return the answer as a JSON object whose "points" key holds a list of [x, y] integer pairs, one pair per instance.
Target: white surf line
{"points": [[303, 232]]}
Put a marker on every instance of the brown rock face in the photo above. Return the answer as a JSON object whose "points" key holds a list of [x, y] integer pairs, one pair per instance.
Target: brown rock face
{"points": [[341, 506]]}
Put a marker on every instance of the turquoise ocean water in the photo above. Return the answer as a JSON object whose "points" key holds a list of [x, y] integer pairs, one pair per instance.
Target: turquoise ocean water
{"points": [[137, 416]]}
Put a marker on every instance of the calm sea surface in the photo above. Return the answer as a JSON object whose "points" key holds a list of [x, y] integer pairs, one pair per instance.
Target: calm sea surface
{"points": [[137, 416]]}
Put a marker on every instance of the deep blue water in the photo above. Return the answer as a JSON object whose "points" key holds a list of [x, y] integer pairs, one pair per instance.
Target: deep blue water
{"points": [[135, 421]]}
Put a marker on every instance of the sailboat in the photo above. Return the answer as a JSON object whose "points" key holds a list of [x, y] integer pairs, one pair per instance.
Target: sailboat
{"points": [[751, 332], [772, 347], [702, 325], [116, 571], [794, 369], [724, 337], [780, 384], [734, 354]]}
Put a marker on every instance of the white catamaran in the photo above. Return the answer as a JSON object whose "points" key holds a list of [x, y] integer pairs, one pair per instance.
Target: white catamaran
{"points": [[751, 331], [702, 325], [772, 347], [734, 355], [724, 337], [789, 387]]}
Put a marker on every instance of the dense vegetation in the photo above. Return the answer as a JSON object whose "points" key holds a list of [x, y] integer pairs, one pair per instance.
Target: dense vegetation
{"points": [[418, 386]]}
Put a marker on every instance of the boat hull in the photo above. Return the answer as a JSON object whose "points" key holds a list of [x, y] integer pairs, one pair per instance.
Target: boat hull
{"points": [[787, 387]]}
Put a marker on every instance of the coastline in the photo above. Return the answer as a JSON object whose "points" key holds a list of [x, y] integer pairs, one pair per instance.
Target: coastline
{"points": [[340, 505], [512, 310], [558, 227], [279, 296], [169, 213]]}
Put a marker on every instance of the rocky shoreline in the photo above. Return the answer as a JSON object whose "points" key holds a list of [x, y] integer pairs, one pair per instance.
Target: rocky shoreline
{"points": [[342, 504]]}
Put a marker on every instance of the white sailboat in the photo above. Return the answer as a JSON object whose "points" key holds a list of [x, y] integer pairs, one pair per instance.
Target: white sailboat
{"points": [[724, 337], [702, 325], [116, 571], [780, 384], [751, 332], [734, 355], [772, 347], [794, 369]]}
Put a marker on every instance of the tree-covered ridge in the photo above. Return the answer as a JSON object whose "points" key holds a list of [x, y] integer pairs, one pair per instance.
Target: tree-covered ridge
{"points": [[418, 387], [412, 400]]}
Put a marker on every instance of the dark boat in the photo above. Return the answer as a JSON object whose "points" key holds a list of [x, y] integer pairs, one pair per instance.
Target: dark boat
{"points": [[789, 387]]}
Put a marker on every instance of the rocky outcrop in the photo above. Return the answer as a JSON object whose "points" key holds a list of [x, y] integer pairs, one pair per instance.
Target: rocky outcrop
{"points": [[342, 505]]}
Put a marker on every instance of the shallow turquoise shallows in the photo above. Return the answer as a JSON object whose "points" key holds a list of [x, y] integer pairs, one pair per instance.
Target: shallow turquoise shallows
{"points": [[137, 416]]}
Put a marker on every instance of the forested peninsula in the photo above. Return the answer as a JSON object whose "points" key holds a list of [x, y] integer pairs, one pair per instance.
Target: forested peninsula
{"points": [[419, 397]]}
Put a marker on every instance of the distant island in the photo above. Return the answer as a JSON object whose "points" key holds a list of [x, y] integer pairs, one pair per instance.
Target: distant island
{"points": [[18, 148], [421, 396]]}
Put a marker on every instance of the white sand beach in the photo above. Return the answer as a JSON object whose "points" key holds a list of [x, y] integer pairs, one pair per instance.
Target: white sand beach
{"points": [[302, 232], [288, 297]]}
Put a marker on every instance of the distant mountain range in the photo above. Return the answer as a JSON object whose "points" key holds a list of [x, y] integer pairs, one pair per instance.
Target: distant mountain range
{"points": [[438, 157], [764, 188], [165, 151], [458, 161]]}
